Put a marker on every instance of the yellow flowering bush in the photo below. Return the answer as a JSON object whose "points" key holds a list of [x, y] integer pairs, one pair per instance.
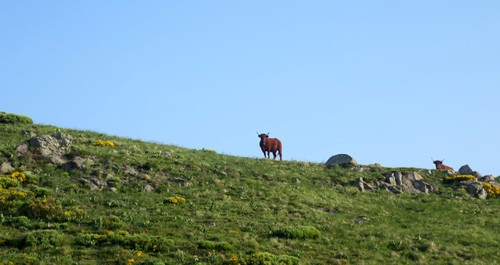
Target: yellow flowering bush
{"points": [[47, 208], [460, 178], [234, 260], [175, 200], [493, 191], [104, 143], [11, 194], [72, 213], [20, 176]]}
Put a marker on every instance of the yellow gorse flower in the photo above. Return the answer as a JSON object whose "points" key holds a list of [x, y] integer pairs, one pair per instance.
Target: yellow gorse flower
{"points": [[104, 143], [21, 177], [493, 191], [176, 200], [460, 177]]}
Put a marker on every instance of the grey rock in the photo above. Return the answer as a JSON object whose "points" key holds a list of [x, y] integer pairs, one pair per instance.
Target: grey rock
{"points": [[390, 179], [95, 183], [181, 182], [362, 185], [148, 188], [361, 219], [78, 163], [341, 160], [23, 149], [465, 170], [487, 178], [6, 168], [399, 178], [473, 188], [130, 170]]}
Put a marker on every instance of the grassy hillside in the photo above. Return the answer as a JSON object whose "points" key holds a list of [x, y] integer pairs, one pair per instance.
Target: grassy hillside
{"points": [[134, 202]]}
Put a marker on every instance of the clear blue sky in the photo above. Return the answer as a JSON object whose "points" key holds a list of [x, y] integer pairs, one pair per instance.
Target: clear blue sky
{"points": [[389, 82]]}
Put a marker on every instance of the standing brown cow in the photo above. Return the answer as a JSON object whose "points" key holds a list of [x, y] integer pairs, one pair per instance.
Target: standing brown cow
{"points": [[269, 145]]}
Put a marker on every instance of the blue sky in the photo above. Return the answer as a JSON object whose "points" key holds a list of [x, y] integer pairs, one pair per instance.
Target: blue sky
{"points": [[389, 82]]}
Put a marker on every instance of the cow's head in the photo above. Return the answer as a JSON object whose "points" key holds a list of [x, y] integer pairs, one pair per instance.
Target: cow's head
{"points": [[263, 135], [438, 162]]}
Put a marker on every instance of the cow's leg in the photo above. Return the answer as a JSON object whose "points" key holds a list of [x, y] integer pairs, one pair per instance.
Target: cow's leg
{"points": [[264, 152], [274, 155]]}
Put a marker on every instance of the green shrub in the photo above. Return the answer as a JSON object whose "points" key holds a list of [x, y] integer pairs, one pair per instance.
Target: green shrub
{"points": [[215, 245], [47, 208], [8, 182], [42, 239], [8, 118], [138, 241], [20, 222], [262, 258], [300, 232], [110, 222]]}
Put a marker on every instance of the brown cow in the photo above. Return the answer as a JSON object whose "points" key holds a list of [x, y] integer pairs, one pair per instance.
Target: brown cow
{"points": [[269, 145], [440, 166]]}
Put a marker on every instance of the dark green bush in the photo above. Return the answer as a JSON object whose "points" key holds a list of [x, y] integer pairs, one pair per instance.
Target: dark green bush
{"points": [[138, 241], [262, 258], [7, 182], [47, 208], [8, 118], [215, 245], [300, 232], [109, 222], [20, 222], [42, 239]]}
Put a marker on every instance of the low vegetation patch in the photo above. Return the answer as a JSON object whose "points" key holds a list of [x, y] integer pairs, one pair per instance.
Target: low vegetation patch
{"points": [[299, 232], [8, 118], [259, 258]]}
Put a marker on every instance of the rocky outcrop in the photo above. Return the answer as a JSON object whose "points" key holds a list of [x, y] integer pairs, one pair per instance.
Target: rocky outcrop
{"points": [[473, 188], [52, 147], [398, 182], [342, 160]]}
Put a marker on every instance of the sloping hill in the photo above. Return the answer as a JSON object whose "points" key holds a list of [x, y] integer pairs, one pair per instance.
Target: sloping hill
{"points": [[111, 200]]}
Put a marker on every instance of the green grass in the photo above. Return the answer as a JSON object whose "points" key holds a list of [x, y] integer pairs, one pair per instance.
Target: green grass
{"points": [[236, 210]]}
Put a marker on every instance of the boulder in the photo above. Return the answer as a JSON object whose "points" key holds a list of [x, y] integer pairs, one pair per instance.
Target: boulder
{"points": [[474, 189], [341, 160], [465, 170], [487, 178], [94, 182], [78, 163], [6, 168]]}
